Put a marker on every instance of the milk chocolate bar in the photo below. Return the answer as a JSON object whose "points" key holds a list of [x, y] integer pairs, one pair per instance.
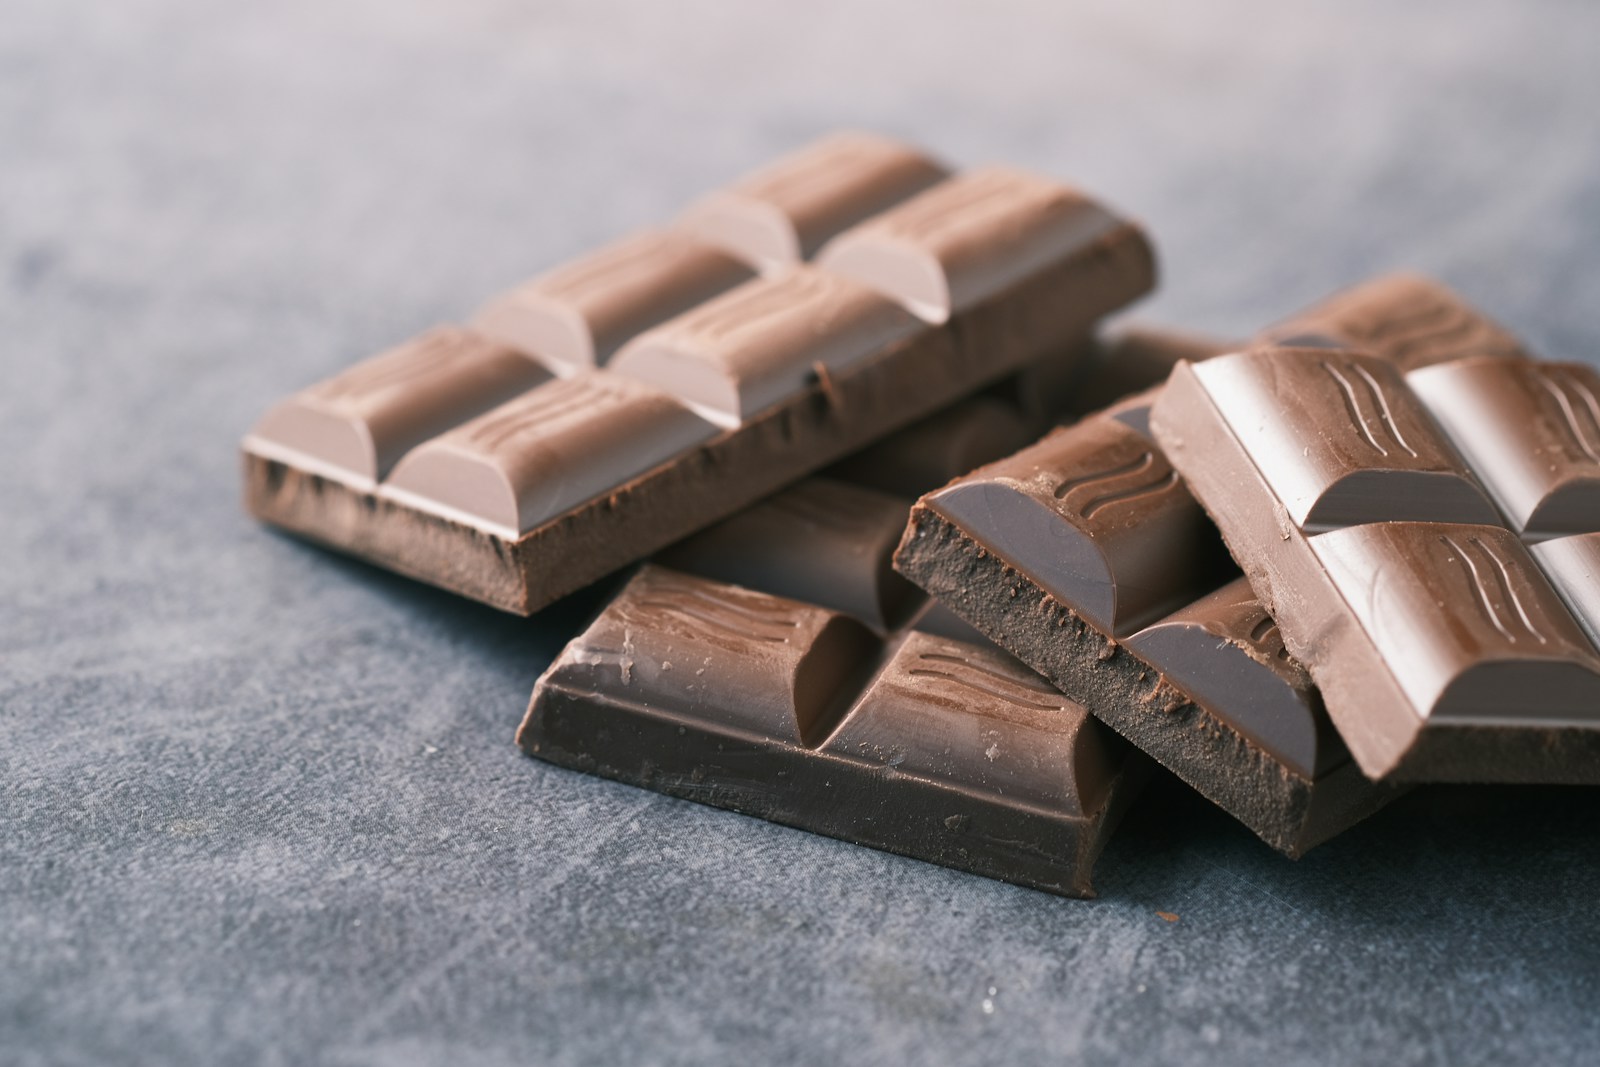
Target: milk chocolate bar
{"points": [[1385, 520], [918, 745], [516, 484], [1086, 558]]}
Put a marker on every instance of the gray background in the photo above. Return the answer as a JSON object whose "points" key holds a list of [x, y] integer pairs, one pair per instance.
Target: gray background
{"points": [[261, 805]]}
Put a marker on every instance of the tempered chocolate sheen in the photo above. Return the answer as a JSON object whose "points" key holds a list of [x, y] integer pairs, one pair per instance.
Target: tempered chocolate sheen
{"points": [[362, 421], [1405, 319], [546, 451], [764, 342], [1340, 439], [1441, 652], [1098, 518], [967, 240], [923, 746], [574, 317], [784, 212], [1530, 430], [1573, 566]]}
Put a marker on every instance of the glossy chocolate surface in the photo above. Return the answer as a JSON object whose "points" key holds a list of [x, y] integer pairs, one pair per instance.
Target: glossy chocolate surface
{"points": [[574, 317], [967, 240], [359, 423], [1530, 430], [1340, 439], [785, 211]]}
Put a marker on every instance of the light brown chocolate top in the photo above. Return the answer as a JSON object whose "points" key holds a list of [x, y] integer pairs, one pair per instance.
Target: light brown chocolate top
{"points": [[359, 423], [1573, 566], [1408, 319], [549, 450], [574, 317], [967, 239], [1531, 432], [1469, 627], [784, 212], [1340, 439], [765, 342]]}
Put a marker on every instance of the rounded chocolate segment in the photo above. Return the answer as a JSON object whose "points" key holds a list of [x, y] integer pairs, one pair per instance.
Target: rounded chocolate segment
{"points": [[967, 239], [362, 421], [1097, 518], [1530, 430], [784, 212], [709, 653], [574, 317], [544, 453], [977, 718], [1573, 566], [821, 541], [1225, 652], [765, 342], [1340, 439], [1405, 319], [1471, 630]]}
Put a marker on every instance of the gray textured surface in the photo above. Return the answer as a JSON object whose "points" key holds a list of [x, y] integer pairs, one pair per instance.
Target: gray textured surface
{"points": [[261, 805]]}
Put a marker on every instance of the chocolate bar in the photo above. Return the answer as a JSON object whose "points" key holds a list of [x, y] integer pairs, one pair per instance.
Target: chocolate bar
{"points": [[648, 407], [1086, 558], [1385, 518], [918, 744]]}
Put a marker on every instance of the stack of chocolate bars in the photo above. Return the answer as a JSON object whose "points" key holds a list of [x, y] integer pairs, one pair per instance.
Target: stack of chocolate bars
{"points": [[1302, 573]]}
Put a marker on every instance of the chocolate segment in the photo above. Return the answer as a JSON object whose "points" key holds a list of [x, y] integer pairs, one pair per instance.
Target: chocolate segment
{"points": [[764, 342], [574, 317], [1097, 518], [967, 240], [1194, 676], [1225, 652], [1139, 357], [545, 452], [1573, 566], [821, 541], [1532, 433], [784, 212], [1340, 439], [361, 422], [924, 747], [1440, 651], [1405, 319]]}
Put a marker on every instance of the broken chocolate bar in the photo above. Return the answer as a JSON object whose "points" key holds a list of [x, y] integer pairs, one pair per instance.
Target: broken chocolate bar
{"points": [[918, 745], [1086, 558], [1442, 651]]}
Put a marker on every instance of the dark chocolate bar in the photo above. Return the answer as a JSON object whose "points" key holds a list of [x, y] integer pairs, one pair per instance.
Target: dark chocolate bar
{"points": [[1086, 558], [450, 462], [919, 745], [1441, 649]]}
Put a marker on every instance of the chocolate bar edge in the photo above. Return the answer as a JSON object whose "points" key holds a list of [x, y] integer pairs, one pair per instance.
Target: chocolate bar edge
{"points": [[1290, 813], [952, 827]]}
